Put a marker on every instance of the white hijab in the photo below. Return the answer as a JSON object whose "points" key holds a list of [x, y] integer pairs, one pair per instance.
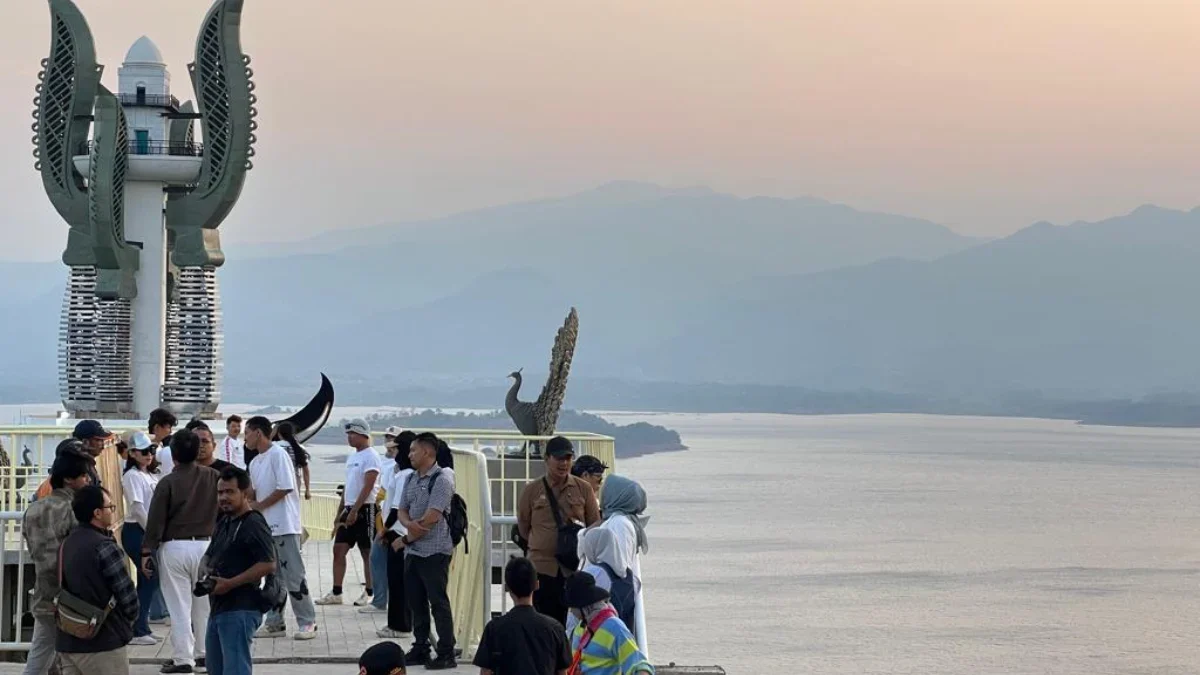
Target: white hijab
{"points": [[602, 545]]}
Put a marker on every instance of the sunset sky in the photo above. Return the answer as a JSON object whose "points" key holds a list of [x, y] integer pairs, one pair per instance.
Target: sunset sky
{"points": [[982, 115]]}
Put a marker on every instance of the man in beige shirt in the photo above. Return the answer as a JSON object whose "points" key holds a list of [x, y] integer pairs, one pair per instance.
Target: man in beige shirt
{"points": [[537, 524]]}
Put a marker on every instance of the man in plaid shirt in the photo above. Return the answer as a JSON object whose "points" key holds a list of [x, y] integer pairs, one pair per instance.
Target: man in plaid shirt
{"points": [[95, 570]]}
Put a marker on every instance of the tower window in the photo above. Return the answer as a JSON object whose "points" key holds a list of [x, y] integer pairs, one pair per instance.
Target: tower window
{"points": [[141, 94]]}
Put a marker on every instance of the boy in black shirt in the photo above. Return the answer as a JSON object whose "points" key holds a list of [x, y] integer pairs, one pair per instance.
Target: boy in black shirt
{"points": [[523, 642], [240, 555]]}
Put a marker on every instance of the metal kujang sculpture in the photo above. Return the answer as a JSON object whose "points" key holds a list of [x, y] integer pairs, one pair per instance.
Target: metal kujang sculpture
{"points": [[141, 320], [539, 418]]}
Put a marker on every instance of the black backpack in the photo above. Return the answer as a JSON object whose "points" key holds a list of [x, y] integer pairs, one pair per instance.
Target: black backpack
{"points": [[456, 517]]}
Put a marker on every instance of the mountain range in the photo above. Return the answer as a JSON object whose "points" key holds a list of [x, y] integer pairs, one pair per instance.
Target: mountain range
{"points": [[693, 286]]}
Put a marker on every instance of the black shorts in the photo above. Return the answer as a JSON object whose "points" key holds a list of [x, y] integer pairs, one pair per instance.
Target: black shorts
{"points": [[362, 532]]}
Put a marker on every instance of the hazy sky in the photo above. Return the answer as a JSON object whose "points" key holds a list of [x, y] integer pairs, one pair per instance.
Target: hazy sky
{"points": [[984, 115]]}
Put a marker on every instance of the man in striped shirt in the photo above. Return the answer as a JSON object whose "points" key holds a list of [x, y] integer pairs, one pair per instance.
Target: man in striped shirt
{"points": [[601, 644]]}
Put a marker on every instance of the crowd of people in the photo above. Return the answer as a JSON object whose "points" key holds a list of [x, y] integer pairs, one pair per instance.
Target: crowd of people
{"points": [[214, 535]]}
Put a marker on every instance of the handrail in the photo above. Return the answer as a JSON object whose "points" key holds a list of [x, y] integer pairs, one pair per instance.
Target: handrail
{"points": [[170, 148], [153, 100]]}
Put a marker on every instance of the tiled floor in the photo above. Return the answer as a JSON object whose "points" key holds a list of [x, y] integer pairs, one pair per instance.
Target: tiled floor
{"points": [[343, 632]]}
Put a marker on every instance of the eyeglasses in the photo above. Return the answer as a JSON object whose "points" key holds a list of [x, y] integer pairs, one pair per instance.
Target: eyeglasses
{"points": [[110, 507]]}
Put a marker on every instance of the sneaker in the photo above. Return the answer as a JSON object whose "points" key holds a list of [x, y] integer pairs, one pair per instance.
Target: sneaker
{"points": [[330, 599], [442, 663], [417, 656], [144, 641], [363, 600], [201, 666], [271, 632], [164, 621], [372, 609], [306, 633], [176, 668], [392, 634]]}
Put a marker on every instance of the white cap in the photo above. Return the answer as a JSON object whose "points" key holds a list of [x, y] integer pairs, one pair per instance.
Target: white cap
{"points": [[138, 440], [392, 431]]}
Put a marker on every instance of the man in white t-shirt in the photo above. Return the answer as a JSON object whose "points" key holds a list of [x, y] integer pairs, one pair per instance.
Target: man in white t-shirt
{"points": [[355, 524], [273, 485], [232, 448], [161, 425]]}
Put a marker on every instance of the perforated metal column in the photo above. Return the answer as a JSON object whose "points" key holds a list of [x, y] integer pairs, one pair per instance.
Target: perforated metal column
{"points": [[194, 343], [94, 349]]}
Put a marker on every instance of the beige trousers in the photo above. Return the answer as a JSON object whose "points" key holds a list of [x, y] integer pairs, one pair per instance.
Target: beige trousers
{"points": [[115, 662]]}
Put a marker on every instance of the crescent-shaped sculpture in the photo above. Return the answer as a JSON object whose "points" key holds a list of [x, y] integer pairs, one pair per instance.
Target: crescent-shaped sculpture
{"points": [[312, 417]]}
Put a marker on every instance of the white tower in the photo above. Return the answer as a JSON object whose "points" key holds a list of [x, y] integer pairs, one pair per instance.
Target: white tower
{"points": [[144, 90]]}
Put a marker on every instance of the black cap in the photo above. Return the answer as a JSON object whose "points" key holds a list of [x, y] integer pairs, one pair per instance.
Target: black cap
{"points": [[88, 429], [385, 658], [585, 464], [559, 447], [581, 590]]}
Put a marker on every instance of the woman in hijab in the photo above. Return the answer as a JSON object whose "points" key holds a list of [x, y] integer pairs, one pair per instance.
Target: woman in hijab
{"points": [[622, 505], [602, 558]]}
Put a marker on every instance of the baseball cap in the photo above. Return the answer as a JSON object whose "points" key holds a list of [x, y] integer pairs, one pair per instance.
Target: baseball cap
{"points": [[138, 440], [89, 429], [358, 426], [392, 431], [559, 447], [385, 658]]}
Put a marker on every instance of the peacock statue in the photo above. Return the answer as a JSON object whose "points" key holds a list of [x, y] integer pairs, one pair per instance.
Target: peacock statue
{"points": [[539, 418]]}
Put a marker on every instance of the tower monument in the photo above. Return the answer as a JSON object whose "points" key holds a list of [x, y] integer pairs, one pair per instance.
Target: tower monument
{"points": [[141, 319]]}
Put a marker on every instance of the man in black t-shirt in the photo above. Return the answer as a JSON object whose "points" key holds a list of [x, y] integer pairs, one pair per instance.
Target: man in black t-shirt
{"points": [[523, 642], [208, 447], [240, 555]]}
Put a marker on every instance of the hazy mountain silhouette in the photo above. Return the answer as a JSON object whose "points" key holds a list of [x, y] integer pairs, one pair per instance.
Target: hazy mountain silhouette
{"points": [[1090, 309]]}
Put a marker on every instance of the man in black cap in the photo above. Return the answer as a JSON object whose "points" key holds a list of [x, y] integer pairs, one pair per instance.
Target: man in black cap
{"points": [[385, 658], [550, 512], [87, 441]]}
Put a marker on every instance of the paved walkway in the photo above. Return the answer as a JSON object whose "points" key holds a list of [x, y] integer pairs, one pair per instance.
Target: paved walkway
{"points": [[343, 632]]}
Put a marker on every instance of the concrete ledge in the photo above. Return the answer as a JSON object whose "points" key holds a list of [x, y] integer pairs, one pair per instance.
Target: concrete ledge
{"points": [[670, 669]]}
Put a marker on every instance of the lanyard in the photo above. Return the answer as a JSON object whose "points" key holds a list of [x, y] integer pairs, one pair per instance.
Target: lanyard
{"points": [[592, 626]]}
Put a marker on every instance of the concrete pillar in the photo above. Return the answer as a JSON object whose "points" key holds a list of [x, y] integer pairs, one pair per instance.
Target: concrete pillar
{"points": [[144, 225]]}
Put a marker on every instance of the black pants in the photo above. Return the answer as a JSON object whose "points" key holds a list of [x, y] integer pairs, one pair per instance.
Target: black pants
{"points": [[399, 613], [548, 598], [425, 579]]}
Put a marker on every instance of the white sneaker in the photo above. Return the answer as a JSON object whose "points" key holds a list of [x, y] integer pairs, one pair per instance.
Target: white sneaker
{"points": [[372, 609], [271, 632], [363, 600], [165, 621], [389, 634], [306, 633], [330, 599], [144, 641]]}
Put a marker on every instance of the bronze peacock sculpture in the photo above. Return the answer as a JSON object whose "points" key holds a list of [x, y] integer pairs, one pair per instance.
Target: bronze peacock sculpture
{"points": [[539, 418]]}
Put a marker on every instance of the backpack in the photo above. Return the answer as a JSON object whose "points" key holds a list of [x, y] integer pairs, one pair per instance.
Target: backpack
{"points": [[456, 517]]}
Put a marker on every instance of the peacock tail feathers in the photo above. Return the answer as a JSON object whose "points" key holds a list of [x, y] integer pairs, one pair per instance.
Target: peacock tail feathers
{"points": [[550, 402]]}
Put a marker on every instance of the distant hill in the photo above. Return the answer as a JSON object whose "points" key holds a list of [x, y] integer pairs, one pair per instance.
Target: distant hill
{"points": [[481, 293], [1088, 310]]}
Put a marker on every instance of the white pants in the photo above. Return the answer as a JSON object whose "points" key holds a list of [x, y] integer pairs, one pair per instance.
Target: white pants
{"points": [[179, 562]]}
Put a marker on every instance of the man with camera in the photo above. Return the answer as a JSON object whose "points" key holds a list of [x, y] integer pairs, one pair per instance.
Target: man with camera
{"points": [[240, 555]]}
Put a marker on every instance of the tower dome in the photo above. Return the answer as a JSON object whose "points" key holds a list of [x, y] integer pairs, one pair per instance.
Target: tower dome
{"points": [[144, 51]]}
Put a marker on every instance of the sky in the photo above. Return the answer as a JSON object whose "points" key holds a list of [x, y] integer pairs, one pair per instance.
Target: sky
{"points": [[985, 116]]}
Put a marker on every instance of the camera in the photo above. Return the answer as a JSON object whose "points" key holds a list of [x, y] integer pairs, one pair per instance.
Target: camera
{"points": [[204, 586]]}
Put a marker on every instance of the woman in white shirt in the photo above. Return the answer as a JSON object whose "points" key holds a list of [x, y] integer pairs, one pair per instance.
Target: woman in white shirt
{"points": [[399, 615], [137, 484], [622, 507]]}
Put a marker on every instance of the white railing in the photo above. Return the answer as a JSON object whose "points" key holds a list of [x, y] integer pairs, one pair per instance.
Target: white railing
{"points": [[489, 479], [16, 581]]}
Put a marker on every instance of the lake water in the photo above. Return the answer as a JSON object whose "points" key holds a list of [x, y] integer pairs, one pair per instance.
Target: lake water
{"points": [[920, 544]]}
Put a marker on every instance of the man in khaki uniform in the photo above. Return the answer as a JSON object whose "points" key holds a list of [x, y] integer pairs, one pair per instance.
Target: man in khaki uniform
{"points": [[537, 524]]}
